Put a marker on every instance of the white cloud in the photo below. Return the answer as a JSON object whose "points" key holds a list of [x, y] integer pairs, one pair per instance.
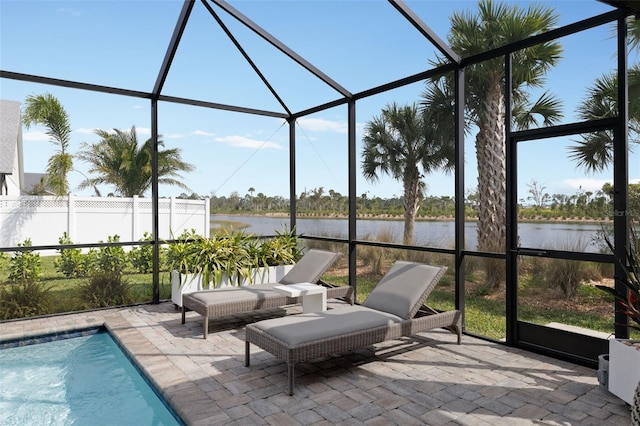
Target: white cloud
{"points": [[141, 130], [202, 133], [85, 131], [322, 125], [243, 142], [35, 136]]}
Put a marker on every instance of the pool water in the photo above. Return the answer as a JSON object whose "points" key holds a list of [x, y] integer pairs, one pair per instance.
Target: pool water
{"points": [[85, 380]]}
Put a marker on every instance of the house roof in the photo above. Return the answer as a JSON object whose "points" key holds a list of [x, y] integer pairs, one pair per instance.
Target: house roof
{"points": [[10, 125], [32, 180]]}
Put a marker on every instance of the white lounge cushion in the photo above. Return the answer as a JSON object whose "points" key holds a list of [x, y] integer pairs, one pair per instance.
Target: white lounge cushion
{"points": [[299, 329], [220, 295], [402, 290], [310, 267]]}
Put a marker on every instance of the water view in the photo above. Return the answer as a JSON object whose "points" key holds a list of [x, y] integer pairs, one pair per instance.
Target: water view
{"points": [[543, 235]]}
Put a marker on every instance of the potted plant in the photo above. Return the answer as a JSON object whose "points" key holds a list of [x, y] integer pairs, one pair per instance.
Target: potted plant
{"points": [[274, 257], [182, 262], [228, 258], [624, 354]]}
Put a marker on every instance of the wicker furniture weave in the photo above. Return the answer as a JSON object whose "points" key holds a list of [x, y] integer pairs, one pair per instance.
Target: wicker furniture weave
{"points": [[235, 300], [304, 337]]}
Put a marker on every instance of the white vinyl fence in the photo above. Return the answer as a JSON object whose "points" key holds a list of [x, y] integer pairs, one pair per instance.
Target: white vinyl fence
{"points": [[44, 219]]}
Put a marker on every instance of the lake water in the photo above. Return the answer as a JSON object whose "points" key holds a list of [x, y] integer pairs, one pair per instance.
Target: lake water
{"points": [[543, 235]]}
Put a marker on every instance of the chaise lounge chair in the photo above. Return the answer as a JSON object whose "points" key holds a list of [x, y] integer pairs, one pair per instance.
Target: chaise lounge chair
{"points": [[235, 300], [393, 309]]}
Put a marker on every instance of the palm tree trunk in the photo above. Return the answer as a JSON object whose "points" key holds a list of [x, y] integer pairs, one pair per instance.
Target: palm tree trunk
{"points": [[490, 148], [411, 204]]}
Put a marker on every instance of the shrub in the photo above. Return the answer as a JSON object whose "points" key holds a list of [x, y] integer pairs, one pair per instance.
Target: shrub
{"points": [[568, 273], [24, 299], [141, 257], [71, 263], [105, 289], [24, 265], [111, 258], [375, 256]]}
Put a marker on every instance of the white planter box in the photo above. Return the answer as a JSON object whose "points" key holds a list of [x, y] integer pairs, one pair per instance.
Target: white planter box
{"points": [[271, 274], [191, 282], [624, 369]]}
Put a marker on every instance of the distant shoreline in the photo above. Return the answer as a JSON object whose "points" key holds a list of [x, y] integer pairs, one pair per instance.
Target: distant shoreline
{"points": [[401, 218]]}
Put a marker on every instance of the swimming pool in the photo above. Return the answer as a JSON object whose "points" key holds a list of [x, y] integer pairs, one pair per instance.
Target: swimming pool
{"points": [[85, 380]]}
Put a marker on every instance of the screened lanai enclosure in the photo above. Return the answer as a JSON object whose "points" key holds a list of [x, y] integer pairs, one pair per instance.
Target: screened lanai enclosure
{"points": [[496, 138]]}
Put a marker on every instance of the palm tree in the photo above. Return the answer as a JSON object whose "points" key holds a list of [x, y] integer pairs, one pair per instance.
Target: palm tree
{"points": [[46, 110], [595, 151], [399, 143], [118, 160], [251, 190], [495, 25]]}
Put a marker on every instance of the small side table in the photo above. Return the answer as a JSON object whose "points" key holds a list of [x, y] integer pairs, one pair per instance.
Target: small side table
{"points": [[314, 297]]}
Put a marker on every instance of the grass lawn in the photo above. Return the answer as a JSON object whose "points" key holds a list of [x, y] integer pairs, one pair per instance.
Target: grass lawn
{"points": [[63, 291], [484, 314]]}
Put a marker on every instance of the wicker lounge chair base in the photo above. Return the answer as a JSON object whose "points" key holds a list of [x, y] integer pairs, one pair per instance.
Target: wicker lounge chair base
{"points": [[305, 337], [291, 350], [236, 300]]}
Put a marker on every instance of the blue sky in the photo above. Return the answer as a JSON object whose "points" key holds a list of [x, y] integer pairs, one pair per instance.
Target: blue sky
{"points": [[359, 44]]}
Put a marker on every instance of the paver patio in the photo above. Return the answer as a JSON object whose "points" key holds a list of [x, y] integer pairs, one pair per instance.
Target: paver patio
{"points": [[426, 379]]}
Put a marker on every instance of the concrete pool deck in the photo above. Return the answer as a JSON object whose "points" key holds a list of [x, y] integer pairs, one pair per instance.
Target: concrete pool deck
{"points": [[423, 380]]}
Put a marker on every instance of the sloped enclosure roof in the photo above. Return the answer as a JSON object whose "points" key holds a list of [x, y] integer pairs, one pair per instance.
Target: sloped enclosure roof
{"points": [[260, 48]]}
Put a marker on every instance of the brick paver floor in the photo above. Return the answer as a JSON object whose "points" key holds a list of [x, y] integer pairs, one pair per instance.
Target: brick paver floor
{"points": [[426, 379]]}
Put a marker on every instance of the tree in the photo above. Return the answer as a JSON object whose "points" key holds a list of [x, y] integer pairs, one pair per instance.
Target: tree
{"points": [[399, 143], [251, 190], [495, 25], [47, 111], [594, 152], [538, 196], [120, 161]]}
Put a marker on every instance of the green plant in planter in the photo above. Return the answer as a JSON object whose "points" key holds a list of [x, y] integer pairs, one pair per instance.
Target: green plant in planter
{"points": [[181, 254], [230, 254], [283, 249], [630, 264], [225, 254]]}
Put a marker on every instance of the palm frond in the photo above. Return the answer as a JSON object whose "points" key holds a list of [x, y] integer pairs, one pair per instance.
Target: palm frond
{"points": [[594, 152], [46, 110], [122, 162], [546, 108]]}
